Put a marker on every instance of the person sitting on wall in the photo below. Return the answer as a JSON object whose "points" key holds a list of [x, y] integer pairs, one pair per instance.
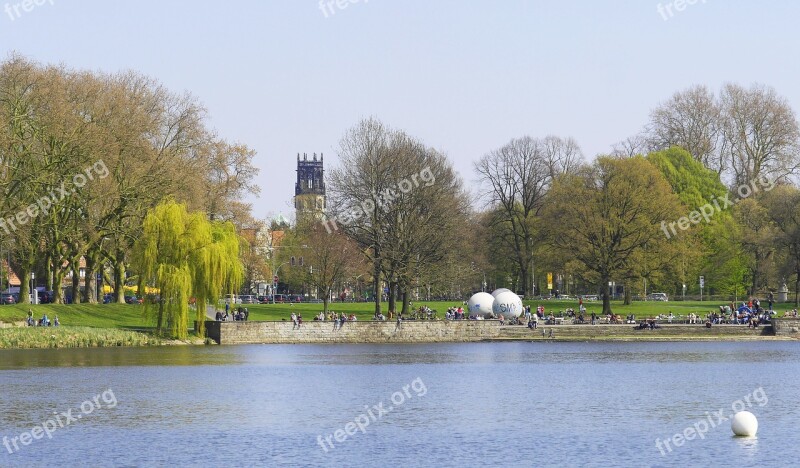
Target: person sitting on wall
{"points": [[708, 323], [218, 316]]}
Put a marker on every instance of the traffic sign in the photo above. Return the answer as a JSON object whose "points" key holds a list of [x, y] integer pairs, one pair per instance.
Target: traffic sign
{"points": [[275, 279], [702, 281]]}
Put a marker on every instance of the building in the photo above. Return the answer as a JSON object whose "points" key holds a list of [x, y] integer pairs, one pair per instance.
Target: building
{"points": [[309, 191]]}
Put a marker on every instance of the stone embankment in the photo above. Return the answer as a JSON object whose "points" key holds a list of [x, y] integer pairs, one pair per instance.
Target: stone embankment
{"points": [[473, 331]]}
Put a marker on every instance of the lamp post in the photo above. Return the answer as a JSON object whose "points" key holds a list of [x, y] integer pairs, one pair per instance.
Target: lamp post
{"points": [[34, 296]]}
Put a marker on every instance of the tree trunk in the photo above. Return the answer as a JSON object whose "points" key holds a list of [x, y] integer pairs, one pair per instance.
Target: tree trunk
{"points": [[406, 300], [392, 297], [58, 279], [119, 281], [606, 299], [627, 295], [49, 273], [76, 283], [25, 285], [90, 281], [376, 281], [797, 291]]}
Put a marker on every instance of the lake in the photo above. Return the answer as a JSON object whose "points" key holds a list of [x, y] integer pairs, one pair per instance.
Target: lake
{"points": [[494, 404]]}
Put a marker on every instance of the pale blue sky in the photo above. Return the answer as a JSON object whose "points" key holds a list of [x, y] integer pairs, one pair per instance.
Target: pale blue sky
{"points": [[463, 76]]}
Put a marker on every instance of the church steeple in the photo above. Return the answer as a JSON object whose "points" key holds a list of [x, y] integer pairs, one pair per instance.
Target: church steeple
{"points": [[309, 190]]}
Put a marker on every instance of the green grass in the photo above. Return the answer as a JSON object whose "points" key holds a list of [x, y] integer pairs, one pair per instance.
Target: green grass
{"points": [[125, 316], [86, 315]]}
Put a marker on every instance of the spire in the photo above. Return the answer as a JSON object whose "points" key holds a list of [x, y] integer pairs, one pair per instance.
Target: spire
{"points": [[298, 156], [315, 156]]}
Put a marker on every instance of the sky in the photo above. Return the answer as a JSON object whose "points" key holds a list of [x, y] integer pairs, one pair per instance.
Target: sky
{"points": [[465, 77]]}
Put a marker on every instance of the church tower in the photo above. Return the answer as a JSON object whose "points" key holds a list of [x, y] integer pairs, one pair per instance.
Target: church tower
{"points": [[309, 191]]}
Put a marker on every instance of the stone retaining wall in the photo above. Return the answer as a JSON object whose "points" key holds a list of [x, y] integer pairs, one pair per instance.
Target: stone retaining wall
{"points": [[352, 332], [786, 326]]}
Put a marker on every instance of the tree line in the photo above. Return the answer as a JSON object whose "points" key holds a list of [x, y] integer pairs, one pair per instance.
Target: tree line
{"points": [[105, 150], [707, 188], [147, 143]]}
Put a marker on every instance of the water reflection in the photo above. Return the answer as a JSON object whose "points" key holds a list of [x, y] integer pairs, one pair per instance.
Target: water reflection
{"points": [[748, 445], [116, 357]]}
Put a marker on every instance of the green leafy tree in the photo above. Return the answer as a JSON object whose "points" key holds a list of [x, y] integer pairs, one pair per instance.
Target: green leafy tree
{"points": [[184, 256], [606, 215]]}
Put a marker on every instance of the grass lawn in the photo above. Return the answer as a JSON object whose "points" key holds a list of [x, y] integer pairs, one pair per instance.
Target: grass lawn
{"points": [[85, 315], [128, 316]]}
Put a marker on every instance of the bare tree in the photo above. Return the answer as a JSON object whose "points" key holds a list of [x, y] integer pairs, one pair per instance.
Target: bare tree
{"points": [[689, 119], [516, 178], [760, 133]]}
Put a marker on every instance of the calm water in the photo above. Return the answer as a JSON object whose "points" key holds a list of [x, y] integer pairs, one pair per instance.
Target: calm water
{"points": [[494, 404]]}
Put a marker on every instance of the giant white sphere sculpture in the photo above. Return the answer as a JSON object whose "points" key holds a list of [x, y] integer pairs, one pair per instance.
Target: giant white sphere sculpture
{"points": [[480, 304], [744, 423], [508, 304], [497, 292]]}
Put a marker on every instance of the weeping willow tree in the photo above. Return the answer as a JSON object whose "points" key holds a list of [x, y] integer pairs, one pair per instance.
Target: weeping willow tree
{"points": [[184, 256]]}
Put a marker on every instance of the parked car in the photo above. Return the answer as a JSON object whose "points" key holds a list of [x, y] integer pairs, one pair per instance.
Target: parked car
{"points": [[232, 299], [590, 297], [263, 299], [279, 298], [6, 298], [657, 297], [248, 299]]}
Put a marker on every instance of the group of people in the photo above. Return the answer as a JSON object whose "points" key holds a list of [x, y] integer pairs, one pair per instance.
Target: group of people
{"points": [[338, 319], [454, 313], [42, 322], [240, 314], [750, 313]]}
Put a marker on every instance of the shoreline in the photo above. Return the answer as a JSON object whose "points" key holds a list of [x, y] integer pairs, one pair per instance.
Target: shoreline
{"points": [[410, 332]]}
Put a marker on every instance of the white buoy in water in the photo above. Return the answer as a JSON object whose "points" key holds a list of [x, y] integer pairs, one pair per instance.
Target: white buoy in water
{"points": [[744, 423]]}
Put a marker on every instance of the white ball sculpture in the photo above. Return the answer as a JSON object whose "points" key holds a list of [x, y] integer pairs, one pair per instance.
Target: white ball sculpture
{"points": [[508, 304], [744, 423], [497, 292], [480, 304]]}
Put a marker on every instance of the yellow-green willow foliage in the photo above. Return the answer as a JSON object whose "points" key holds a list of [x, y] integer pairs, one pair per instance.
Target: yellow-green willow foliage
{"points": [[184, 255]]}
